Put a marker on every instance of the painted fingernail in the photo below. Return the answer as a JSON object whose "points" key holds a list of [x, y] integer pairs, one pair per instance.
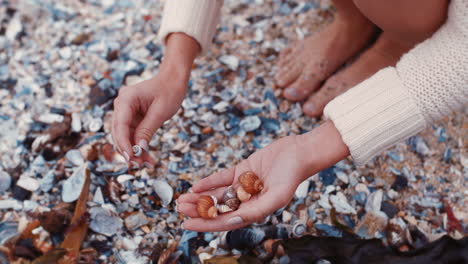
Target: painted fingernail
{"points": [[134, 164], [234, 221], [127, 158], [309, 107], [143, 144], [147, 165], [291, 92]]}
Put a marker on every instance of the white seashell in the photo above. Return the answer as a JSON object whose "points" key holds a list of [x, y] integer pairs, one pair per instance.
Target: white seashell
{"points": [[137, 151], [74, 156], [73, 186], [374, 201], [232, 62], [299, 229], [50, 118], [302, 190], [95, 124], [28, 183], [222, 208], [164, 191], [340, 203], [76, 122], [124, 177], [98, 197]]}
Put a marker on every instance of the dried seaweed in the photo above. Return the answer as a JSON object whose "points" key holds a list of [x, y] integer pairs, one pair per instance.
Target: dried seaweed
{"points": [[310, 249], [75, 236]]}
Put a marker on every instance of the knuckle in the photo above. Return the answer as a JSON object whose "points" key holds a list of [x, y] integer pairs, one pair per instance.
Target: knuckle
{"points": [[145, 133]]}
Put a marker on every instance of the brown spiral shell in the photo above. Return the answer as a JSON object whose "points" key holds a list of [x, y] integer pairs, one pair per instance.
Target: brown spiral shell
{"points": [[206, 207], [230, 198], [250, 182]]}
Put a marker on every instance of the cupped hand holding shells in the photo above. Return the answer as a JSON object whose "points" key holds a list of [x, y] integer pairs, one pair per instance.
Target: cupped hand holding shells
{"points": [[279, 172]]}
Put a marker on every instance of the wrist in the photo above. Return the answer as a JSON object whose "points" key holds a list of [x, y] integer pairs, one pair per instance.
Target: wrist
{"points": [[321, 148], [180, 53]]}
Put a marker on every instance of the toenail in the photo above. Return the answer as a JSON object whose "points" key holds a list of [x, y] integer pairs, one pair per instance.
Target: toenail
{"points": [[309, 107], [291, 92]]}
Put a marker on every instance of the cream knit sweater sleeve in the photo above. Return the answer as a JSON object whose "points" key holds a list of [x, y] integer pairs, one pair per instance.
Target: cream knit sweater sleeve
{"points": [[196, 18], [429, 82]]}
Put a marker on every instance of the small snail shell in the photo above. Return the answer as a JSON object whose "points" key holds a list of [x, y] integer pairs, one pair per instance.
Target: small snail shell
{"points": [[206, 207], [223, 208], [230, 193], [137, 151], [230, 198], [299, 229], [242, 194], [250, 182]]}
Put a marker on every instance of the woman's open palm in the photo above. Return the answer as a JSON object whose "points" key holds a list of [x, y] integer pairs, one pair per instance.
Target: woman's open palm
{"points": [[278, 166]]}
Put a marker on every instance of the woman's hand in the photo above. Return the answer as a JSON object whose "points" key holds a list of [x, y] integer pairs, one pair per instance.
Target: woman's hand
{"points": [[140, 109], [282, 166]]}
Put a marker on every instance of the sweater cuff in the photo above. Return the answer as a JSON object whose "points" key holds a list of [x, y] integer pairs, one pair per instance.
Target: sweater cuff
{"points": [[196, 18], [374, 115]]}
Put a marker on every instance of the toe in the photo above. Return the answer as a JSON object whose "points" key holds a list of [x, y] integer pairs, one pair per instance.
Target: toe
{"points": [[307, 83], [317, 102], [289, 73]]}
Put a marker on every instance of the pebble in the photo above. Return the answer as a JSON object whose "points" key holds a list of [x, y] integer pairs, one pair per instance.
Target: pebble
{"points": [[28, 183], [135, 221], [104, 221], [231, 61], [72, 187], [74, 157], [250, 123], [11, 204], [5, 181]]}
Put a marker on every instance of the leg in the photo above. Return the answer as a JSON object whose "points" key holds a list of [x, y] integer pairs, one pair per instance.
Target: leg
{"points": [[306, 64], [403, 27], [405, 21]]}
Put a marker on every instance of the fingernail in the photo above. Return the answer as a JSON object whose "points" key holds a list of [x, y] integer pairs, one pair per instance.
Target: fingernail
{"points": [[182, 226], [177, 202], [126, 156], [291, 92], [177, 208], [143, 144], [234, 221], [134, 164], [309, 107], [190, 190], [147, 165]]}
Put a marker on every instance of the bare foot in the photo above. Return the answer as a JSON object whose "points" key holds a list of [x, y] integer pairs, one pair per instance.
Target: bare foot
{"points": [[385, 52], [303, 66]]}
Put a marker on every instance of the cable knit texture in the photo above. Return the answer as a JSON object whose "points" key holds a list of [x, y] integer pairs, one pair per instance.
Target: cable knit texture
{"points": [[196, 18], [429, 82]]}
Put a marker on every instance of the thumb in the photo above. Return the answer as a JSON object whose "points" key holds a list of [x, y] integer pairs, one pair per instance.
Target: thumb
{"points": [[153, 120]]}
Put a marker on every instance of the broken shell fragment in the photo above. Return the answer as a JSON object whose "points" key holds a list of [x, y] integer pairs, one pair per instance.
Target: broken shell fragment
{"points": [[243, 195], [206, 207], [224, 208], [250, 182], [137, 151]]}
